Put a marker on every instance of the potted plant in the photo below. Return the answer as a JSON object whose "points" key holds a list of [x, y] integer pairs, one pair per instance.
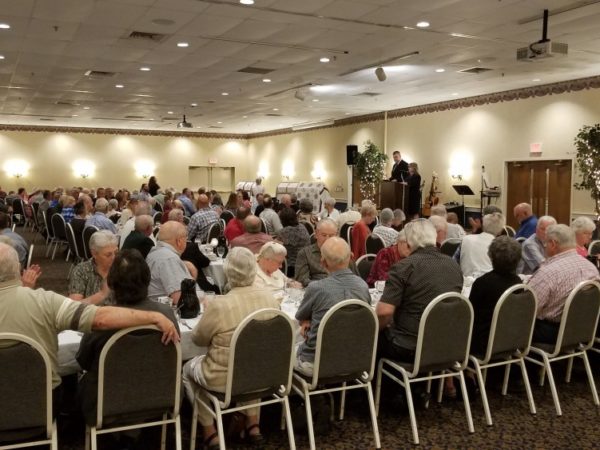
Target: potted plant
{"points": [[587, 143], [369, 167]]}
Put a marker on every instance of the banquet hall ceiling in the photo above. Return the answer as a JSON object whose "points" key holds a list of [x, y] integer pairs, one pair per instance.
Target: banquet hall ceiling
{"points": [[217, 80]]}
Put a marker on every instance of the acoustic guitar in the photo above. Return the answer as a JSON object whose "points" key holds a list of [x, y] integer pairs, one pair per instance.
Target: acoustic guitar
{"points": [[432, 199]]}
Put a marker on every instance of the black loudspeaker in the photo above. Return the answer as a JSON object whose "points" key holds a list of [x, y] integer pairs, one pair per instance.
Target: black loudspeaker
{"points": [[351, 153]]}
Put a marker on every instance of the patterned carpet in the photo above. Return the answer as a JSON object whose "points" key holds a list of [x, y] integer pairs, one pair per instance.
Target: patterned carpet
{"points": [[440, 426]]}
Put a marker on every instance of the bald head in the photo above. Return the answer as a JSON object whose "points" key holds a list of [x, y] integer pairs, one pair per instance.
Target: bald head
{"points": [[522, 211], [172, 232], [144, 224], [203, 201], [286, 199], [335, 254], [252, 224]]}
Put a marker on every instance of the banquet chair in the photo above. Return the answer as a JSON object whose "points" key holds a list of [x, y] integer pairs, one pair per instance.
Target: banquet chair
{"points": [[344, 231], [594, 248], [260, 366], [60, 233], [508, 231], [18, 212], [213, 232], [156, 218], [26, 418], [309, 227], [72, 241], [442, 351], [87, 234], [508, 342], [449, 246], [186, 220], [576, 335], [226, 216], [158, 208], [49, 233], [263, 226], [373, 244], [143, 393], [350, 324], [364, 264], [29, 256], [36, 225]]}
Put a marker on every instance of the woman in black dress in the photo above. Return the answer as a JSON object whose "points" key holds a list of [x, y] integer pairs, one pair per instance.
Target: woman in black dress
{"points": [[413, 182], [153, 186]]}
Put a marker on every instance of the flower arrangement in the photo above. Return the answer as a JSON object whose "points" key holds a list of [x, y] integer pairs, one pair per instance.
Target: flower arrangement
{"points": [[369, 167], [587, 143]]}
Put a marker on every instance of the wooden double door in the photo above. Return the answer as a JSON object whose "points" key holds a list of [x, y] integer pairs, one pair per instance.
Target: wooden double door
{"points": [[546, 185]]}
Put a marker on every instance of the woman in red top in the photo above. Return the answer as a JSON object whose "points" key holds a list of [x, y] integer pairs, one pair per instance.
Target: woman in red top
{"points": [[360, 230], [386, 258]]}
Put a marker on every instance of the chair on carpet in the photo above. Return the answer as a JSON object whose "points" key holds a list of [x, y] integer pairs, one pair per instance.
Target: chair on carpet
{"points": [[449, 246], [87, 234], [344, 231], [60, 233], [226, 216], [373, 244], [364, 264]]}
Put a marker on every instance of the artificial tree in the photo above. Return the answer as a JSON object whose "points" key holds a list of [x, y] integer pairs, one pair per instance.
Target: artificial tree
{"points": [[587, 143], [369, 168]]}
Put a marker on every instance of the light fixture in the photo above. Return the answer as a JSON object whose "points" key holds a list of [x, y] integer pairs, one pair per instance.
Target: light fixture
{"points": [[119, 86], [1, 56], [244, 117], [535, 80], [455, 94], [4, 26], [145, 69], [380, 74], [193, 105], [184, 123], [423, 24], [247, 2], [183, 44], [169, 112], [457, 176], [219, 123], [74, 115], [275, 109], [144, 168], [287, 169], [315, 100], [266, 80], [324, 59], [225, 93], [440, 70], [16, 168], [299, 95], [83, 168], [308, 125], [86, 107], [318, 172]]}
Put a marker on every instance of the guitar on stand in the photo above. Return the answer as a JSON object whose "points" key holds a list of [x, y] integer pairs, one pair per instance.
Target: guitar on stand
{"points": [[432, 199]]}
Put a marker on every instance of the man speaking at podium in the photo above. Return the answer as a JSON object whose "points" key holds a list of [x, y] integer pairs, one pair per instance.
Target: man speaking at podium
{"points": [[400, 167]]}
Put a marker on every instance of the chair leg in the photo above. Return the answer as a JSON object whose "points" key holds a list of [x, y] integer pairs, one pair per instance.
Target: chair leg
{"points": [[194, 426], [309, 422], [54, 252], [54, 443], [220, 431], [440, 390], [373, 416], [288, 420], [178, 432], [484, 398], [527, 386], [505, 382], [465, 395], [378, 386], [588, 370], [87, 438], [542, 374], [94, 438], [163, 434], [411, 411], [342, 402], [552, 385], [569, 369]]}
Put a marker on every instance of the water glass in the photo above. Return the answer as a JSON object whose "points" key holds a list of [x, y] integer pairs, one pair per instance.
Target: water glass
{"points": [[220, 251], [380, 286]]}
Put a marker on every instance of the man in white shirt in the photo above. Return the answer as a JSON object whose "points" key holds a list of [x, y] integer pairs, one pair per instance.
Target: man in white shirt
{"points": [[473, 251]]}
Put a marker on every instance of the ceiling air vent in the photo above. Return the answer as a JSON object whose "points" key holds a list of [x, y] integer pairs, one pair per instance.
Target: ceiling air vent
{"points": [[67, 103], [475, 70], [98, 74], [143, 36], [256, 70], [273, 115], [368, 94], [214, 126], [169, 119], [135, 117], [46, 119]]}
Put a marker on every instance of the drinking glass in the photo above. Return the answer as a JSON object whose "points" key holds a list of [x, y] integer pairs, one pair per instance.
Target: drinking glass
{"points": [[380, 286], [220, 252]]}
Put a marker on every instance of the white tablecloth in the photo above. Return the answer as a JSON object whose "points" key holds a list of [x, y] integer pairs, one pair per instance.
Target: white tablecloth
{"points": [[216, 272], [68, 344]]}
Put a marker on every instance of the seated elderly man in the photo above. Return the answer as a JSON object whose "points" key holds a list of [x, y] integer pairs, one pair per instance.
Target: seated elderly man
{"points": [[167, 270], [99, 219], [202, 220], [441, 229], [384, 230], [584, 229], [19, 243], [533, 250], [555, 279], [215, 330], [308, 260], [253, 239], [527, 220], [186, 198], [88, 280], [412, 284], [41, 314], [341, 284], [235, 227], [269, 261], [270, 217], [454, 231], [329, 211], [473, 251], [141, 209], [139, 238], [386, 258]]}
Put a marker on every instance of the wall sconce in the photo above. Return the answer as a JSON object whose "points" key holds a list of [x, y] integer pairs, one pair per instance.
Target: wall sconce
{"points": [[457, 176], [287, 169], [263, 170], [16, 168], [461, 165], [83, 168], [144, 168], [318, 172]]}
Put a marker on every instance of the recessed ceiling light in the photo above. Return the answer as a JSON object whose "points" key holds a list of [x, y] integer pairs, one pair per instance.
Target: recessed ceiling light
{"points": [[440, 70], [169, 112], [455, 93], [224, 93], [247, 2], [74, 115], [145, 69], [1, 56], [119, 86], [245, 117], [347, 114], [535, 80], [183, 44], [86, 107], [423, 24], [315, 99], [4, 26], [324, 59], [266, 80], [193, 105], [219, 122], [275, 109], [198, 127]]}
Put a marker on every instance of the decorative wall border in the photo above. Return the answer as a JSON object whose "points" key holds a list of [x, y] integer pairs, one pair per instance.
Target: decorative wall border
{"points": [[560, 87]]}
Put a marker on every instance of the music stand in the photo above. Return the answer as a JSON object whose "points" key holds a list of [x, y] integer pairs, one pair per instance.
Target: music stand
{"points": [[462, 190]]}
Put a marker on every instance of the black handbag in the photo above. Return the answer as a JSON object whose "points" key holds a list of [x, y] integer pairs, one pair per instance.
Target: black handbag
{"points": [[189, 306]]}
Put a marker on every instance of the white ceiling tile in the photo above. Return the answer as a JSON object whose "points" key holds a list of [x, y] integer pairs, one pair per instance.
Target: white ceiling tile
{"points": [[63, 10]]}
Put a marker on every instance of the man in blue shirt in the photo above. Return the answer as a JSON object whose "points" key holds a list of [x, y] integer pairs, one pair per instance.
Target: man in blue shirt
{"points": [[527, 220]]}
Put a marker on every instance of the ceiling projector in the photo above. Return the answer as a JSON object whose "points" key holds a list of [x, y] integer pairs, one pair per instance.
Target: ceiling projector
{"points": [[544, 48], [184, 123]]}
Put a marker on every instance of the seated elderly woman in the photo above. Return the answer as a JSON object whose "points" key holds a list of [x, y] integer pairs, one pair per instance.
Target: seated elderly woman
{"points": [[584, 229], [360, 230], [215, 330], [128, 280], [88, 280], [269, 260], [293, 236], [386, 258], [329, 211], [384, 230], [305, 214]]}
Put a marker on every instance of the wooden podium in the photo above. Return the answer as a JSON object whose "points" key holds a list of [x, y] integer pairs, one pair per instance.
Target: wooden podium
{"points": [[393, 195]]}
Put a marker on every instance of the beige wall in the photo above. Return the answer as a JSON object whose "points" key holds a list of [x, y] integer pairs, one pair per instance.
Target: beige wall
{"points": [[465, 138]]}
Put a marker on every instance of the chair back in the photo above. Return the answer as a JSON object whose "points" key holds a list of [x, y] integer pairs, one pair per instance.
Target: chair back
{"points": [[186, 220], [373, 244], [137, 374], [346, 343], [18, 209], [261, 356], [214, 232], [59, 227], [521, 239], [158, 207], [512, 323], [29, 256], [263, 226], [35, 207], [157, 218], [364, 264], [444, 335], [594, 248], [87, 234], [48, 225], [579, 318], [308, 226], [349, 237], [344, 231], [71, 241], [226, 216], [449, 246], [26, 402], [508, 231]]}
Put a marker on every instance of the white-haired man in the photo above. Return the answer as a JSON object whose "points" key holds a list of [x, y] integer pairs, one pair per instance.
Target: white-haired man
{"points": [[473, 251], [139, 238], [141, 209], [340, 284], [99, 219], [384, 230], [533, 251], [527, 220], [308, 260], [555, 279], [441, 229], [454, 230]]}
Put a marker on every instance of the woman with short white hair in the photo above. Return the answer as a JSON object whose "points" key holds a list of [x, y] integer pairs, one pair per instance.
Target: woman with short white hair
{"points": [[584, 229], [329, 211], [269, 261]]}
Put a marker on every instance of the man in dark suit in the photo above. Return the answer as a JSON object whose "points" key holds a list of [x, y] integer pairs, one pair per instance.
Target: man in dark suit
{"points": [[400, 167], [139, 238]]}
